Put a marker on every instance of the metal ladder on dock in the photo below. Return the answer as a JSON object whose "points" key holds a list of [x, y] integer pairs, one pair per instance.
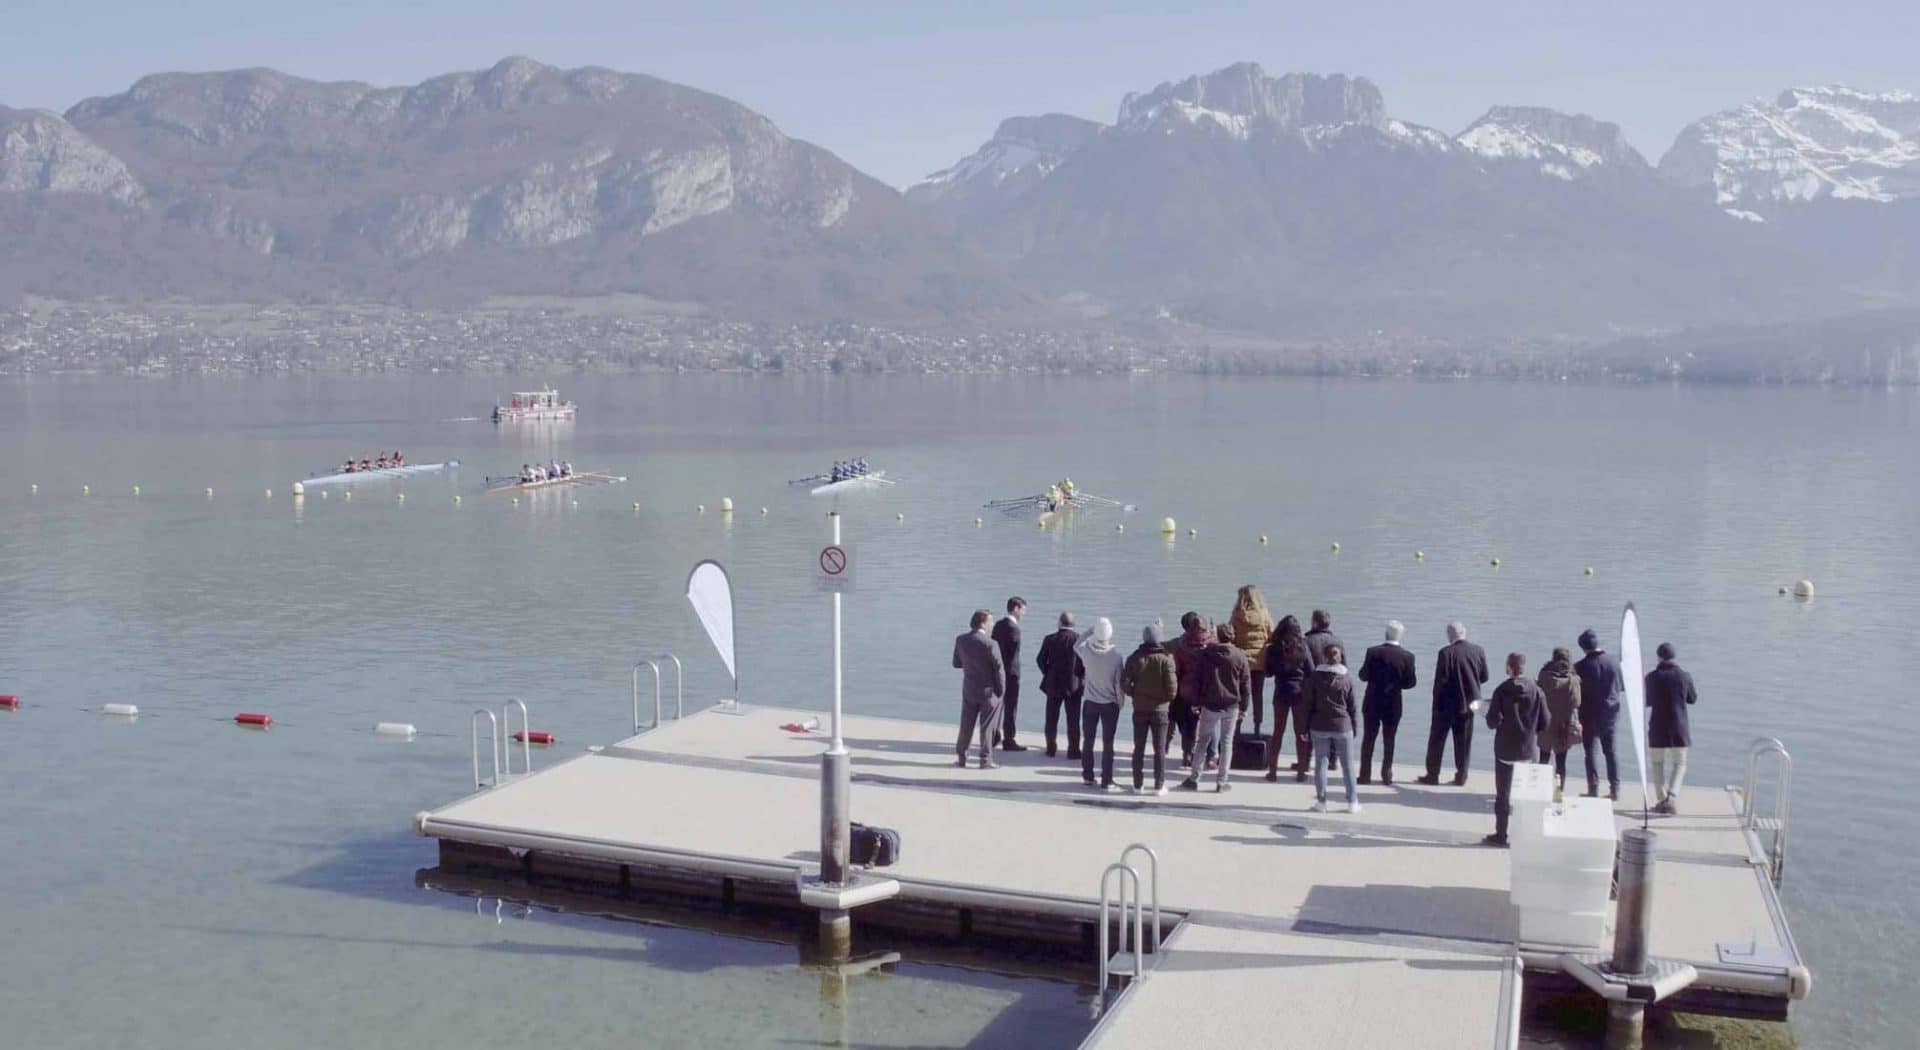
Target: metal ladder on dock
{"points": [[1769, 833], [500, 746], [1122, 875], [652, 663]]}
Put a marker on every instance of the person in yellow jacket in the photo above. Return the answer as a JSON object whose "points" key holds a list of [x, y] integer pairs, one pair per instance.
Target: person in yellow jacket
{"points": [[1252, 627]]}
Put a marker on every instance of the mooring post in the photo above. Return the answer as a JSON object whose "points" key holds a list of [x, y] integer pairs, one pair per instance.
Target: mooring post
{"points": [[1632, 932]]}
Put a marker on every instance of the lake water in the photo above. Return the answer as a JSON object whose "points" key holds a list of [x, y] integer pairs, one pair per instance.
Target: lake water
{"points": [[176, 881]]}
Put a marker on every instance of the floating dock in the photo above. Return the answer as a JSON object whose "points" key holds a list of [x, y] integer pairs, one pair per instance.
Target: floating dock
{"points": [[1323, 915]]}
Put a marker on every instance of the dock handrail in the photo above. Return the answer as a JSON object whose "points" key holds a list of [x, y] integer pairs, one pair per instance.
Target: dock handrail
{"points": [[652, 663], [1125, 872], [1153, 882], [1749, 810], [526, 736], [493, 744]]}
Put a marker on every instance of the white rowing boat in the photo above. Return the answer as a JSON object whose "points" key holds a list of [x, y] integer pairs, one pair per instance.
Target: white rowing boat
{"points": [[376, 474], [877, 477], [585, 477]]}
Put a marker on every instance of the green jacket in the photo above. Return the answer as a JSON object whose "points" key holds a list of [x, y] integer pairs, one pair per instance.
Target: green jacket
{"points": [[1150, 678]]}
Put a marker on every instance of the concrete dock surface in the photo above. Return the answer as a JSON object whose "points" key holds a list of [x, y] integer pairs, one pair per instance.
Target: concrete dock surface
{"points": [[1270, 892]]}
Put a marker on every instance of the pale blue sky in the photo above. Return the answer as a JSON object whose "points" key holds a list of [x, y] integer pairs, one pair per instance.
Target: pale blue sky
{"points": [[903, 88]]}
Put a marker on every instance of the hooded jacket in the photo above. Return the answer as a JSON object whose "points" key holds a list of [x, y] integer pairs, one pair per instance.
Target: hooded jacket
{"points": [[1517, 715], [1186, 659], [1330, 700], [1150, 677], [1669, 693], [1562, 687], [1226, 681], [1102, 663]]}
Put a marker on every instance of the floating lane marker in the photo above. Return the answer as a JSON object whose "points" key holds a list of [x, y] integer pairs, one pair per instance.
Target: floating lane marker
{"points": [[136, 490], [1419, 555], [399, 730], [726, 504], [9, 702], [120, 710], [209, 493], [254, 719], [1168, 526], [533, 736], [86, 490]]}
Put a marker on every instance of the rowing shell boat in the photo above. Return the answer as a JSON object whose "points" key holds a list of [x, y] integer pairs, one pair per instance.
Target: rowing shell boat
{"points": [[877, 477], [514, 484], [376, 474], [1056, 505]]}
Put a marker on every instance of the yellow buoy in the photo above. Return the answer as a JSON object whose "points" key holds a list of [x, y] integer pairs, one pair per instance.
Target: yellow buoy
{"points": [[456, 500], [977, 522], [1336, 548], [763, 512], [209, 493], [516, 500], [1589, 570], [136, 490], [702, 508], [899, 517], [86, 490], [35, 489], [323, 493], [636, 506], [1263, 539], [348, 496], [1040, 523], [299, 488], [1419, 555], [1496, 563], [1121, 527], [1168, 527], [269, 493], [400, 498], [1193, 532]]}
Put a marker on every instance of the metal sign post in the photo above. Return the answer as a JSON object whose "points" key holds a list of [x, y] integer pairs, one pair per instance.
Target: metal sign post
{"points": [[836, 777]]}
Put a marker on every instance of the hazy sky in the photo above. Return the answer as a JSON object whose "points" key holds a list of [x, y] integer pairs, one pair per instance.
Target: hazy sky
{"points": [[903, 88]]}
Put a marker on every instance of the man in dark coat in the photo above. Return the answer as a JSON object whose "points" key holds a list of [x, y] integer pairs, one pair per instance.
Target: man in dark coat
{"points": [[1517, 716], [983, 681], [1601, 688], [1320, 635], [1006, 634], [1669, 693], [1458, 673], [1060, 679], [1388, 671]]}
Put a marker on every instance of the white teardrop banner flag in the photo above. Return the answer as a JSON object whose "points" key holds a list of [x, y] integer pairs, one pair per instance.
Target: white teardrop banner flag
{"points": [[711, 593], [1636, 700]]}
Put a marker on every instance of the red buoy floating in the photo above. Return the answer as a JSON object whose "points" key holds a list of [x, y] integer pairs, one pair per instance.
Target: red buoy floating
{"points": [[9, 702], [248, 718], [533, 736]]}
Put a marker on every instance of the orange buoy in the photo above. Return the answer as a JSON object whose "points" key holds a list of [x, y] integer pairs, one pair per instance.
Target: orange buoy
{"points": [[10, 702], [249, 718], [532, 736]]}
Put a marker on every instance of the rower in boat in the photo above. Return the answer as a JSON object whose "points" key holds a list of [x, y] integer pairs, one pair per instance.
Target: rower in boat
{"points": [[398, 459], [566, 469], [349, 467], [365, 465]]}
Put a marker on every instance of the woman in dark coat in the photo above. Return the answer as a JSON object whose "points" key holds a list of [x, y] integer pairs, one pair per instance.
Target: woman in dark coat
{"points": [[1558, 680], [1289, 665]]}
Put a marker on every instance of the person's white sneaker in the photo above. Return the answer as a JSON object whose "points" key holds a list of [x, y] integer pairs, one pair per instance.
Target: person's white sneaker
{"points": [[1319, 806], [1160, 792], [1355, 807]]}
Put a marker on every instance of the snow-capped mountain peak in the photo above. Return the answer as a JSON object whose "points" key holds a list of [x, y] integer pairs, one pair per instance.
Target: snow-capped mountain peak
{"points": [[1026, 148], [1563, 145], [1242, 97], [1806, 144]]}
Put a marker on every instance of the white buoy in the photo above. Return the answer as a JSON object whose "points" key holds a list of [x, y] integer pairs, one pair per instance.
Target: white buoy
{"points": [[400, 498], [209, 493], [763, 512], [403, 730], [1336, 548], [1803, 589], [1263, 539], [1120, 527], [1419, 555], [1496, 563], [86, 490], [899, 517], [516, 501], [977, 522], [35, 489], [573, 503], [323, 493], [1168, 527], [136, 490], [348, 496], [1193, 532], [726, 504], [456, 499], [636, 506], [121, 710], [269, 493], [1782, 591], [299, 488], [702, 508]]}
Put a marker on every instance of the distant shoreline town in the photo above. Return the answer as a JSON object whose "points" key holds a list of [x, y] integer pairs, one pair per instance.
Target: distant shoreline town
{"points": [[47, 338]]}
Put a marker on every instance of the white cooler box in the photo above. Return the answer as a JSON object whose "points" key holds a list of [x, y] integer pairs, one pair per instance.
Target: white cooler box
{"points": [[1562, 862]]}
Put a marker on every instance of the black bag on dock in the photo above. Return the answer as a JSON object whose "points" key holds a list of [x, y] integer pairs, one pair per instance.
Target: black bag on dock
{"points": [[1250, 751], [872, 847]]}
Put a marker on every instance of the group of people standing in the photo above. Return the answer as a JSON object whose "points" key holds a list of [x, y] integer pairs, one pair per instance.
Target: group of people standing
{"points": [[1202, 685]]}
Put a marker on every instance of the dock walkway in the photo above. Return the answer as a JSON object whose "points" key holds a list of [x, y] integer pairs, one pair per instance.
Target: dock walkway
{"points": [[1340, 910]]}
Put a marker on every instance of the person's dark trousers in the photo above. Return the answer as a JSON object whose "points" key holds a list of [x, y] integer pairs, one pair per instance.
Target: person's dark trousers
{"points": [[1150, 728], [1556, 759], [1188, 721], [1460, 728], [1105, 718], [1599, 733], [1384, 725], [1502, 794], [1007, 708], [1260, 701], [1071, 702]]}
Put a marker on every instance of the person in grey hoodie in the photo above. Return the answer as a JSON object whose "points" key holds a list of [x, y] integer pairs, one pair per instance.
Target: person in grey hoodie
{"points": [[1099, 700], [1330, 719]]}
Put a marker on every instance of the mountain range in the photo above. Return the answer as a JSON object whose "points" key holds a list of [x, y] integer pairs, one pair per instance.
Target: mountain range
{"points": [[1292, 206]]}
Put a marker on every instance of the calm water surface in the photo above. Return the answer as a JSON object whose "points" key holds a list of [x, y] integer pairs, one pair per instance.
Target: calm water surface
{"points": [[174, 881]]}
